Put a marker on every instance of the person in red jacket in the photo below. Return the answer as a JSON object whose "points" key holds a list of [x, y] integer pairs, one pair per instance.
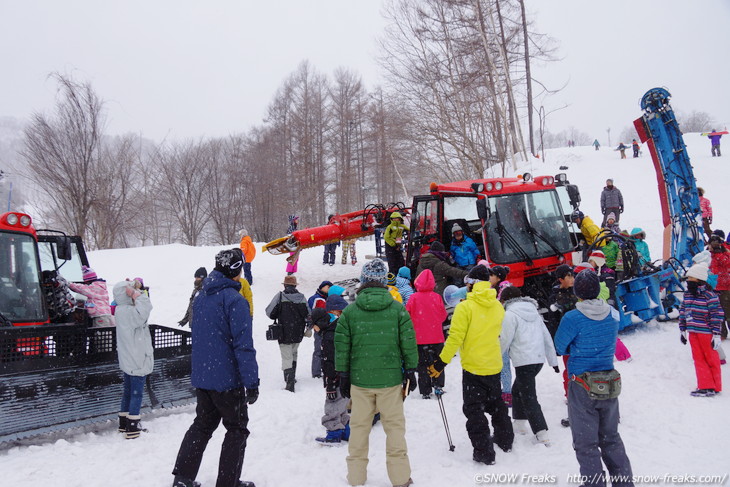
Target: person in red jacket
{"points": [[706, 208], [428, 313], [720, 266]]}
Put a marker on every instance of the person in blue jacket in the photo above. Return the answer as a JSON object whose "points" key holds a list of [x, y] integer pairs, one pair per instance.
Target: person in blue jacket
{"points": [[225, 374], [588, 334], [463, 249]]}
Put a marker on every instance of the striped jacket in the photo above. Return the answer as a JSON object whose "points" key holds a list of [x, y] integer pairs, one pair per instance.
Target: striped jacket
{"points": [[701, 312]]}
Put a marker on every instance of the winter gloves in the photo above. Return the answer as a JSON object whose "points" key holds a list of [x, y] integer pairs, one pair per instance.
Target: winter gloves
{"points": [[330, 386], [409, 379], [556, 369], [345, 384], [436, 368], [683, 337], [716, 340], [252, 395]]}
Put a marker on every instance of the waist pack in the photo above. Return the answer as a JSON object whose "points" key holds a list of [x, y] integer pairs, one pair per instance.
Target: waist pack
{"points": [[603, 384], [274, 332]]}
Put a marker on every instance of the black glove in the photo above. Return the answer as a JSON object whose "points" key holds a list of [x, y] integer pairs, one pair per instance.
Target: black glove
{"points": [[436, 368], [410, 378], [345, 384], [331, 387], [556, 369], [683, 338], [181, 323], [252, 395], [621, 210], [709, 220]]}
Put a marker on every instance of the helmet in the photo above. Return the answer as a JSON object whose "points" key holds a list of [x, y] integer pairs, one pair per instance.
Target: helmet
{"points": [[576, 215]]}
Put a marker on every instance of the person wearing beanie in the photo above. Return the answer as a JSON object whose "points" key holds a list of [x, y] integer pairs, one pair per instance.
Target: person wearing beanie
{"points": [[393, 237], [561, 300], [428, 314], [330, 248], [376, 358], [475, 329], [498, 280], [597, 260], [589, 334], [720, 266], [642, 248], [97, 300], [403, 284], [706, 209], [134, 350], [700, 321], [463, 249], [224, 374], [529, 344], [200, 274], [318, 300], [390, 283], [289, 308], [249, 253], [438, 261], [588, 229], [611, 202], [336, 419]]}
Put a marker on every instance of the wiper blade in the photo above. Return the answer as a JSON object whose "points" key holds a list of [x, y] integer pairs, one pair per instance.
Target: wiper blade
{"points": [[534, 233], [507, 237]]}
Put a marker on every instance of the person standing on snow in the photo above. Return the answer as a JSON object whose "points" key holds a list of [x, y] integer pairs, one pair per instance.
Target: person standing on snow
{"points": [[249, 253], [393, 237], [135, 352], [376, 357], [318, 300], [635, 146], [706, 208], [596, 144], [720, 266], [330, 248], [225, 375], [291, 267], [612, 201], [622, 148], [198, 277], [588, 334], [715, 141]]}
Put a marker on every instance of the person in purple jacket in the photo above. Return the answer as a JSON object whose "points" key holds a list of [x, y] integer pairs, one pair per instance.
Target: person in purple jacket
{"points": [[715, 141]]}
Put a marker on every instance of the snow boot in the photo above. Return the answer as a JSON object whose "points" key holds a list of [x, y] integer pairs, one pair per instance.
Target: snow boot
{"points": [[294, 367], [133, 428], [426, 396], [181, 481], [703, 393], [565, 422], [333, 437], [123, 422], [289, 378], [245, 483], [521, 426], [483, 456], [507, 398], [541, 437]]}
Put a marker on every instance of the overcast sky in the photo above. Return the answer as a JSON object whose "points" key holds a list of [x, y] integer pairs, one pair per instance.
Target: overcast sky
{"points": [[177, 69]]}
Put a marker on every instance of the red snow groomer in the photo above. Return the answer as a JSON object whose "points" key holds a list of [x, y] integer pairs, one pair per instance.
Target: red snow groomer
{"points": [[522, 223]]}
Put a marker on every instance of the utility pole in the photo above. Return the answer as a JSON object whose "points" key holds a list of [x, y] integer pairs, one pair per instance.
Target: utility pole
{"points": [[608, 130]]}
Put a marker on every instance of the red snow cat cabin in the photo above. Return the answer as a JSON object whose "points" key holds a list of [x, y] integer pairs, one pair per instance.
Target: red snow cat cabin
{"points": [[521, 222]]}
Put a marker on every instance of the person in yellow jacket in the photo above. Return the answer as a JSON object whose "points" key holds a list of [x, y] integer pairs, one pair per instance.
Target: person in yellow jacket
{"points": [[589, 229], [475, 329], [249, 253], [246, 292], [393, 236]]}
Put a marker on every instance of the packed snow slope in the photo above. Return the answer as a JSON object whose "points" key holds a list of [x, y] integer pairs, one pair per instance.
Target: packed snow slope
{"points": [[666, 432]]}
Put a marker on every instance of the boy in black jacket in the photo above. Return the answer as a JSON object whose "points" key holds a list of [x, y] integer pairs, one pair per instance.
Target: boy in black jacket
{"points": [[336, 419]]}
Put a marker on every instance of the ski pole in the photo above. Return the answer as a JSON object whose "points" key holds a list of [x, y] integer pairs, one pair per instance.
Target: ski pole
{"points": [[439, 392]]}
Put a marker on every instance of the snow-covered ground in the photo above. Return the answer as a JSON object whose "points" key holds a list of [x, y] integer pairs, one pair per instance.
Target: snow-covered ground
{"points": [[666, 432]]}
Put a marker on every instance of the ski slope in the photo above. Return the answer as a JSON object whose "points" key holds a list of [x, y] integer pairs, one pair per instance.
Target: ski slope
{"points": [[666, 432]]}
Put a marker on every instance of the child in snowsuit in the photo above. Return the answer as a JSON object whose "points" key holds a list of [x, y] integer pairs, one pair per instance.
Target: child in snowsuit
{"points": [[642, 247], [318, 300], [348, 246], [528, 342], [475, 330], [701, 316], [428, 313], [706, 208], [97, 297], [135, 352], [403, 283], [336, 419]]}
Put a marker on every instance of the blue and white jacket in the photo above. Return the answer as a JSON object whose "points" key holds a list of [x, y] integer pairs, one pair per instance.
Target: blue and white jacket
{"points": [[588, 334]]}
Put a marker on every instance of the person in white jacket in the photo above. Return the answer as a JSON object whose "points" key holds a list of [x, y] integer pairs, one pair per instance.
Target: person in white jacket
{"points": [[527, 340], [135, 352]]}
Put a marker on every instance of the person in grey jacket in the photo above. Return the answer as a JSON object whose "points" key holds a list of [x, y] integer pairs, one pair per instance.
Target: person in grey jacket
{"points": [[135, 352], [611, 202], [527, 340]]}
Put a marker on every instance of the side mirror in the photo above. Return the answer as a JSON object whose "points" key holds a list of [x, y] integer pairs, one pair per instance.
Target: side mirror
{"points": [[63, 249], [574, 195], [483, 209]]}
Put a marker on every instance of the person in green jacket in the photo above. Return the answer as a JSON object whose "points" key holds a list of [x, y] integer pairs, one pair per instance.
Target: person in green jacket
{"points": [[393, 236], [376, 358], [475, 329]]}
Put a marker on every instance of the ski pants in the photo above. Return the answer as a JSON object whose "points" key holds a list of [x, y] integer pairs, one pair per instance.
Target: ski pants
{"points": [[288, 355], [349, 246], [317, 356], [213, 406], [524, 397], [378, 242], [707, 361], [505, 376], [483, 395], [336, 416], [329, 253], [725, 304], [594, 426], [132, 395], [395, 258], [716, 150], [426, 356], [365, 403]]}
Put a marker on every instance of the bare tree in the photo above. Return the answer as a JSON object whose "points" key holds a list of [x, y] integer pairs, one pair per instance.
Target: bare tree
{"points": [[64, 154], [696, 121]]}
